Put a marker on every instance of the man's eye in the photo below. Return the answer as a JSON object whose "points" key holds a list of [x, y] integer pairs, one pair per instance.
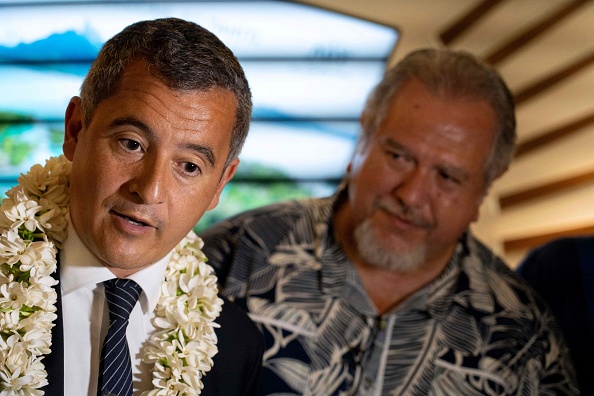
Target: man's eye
{"points": [[190, 168], [398, 159], [449, 178], [394, 154], [129, 144]]}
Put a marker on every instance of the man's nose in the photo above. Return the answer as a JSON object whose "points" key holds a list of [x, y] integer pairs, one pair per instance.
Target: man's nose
{"points": [[414, 188], [149, 181]]}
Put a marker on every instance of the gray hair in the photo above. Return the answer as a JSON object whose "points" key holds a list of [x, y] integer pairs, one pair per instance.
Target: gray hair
{"points": [[455, 74], [183, 55]]}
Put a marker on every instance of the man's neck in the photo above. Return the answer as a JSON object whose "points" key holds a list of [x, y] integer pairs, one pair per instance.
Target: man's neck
{"points": [[386, 288]]}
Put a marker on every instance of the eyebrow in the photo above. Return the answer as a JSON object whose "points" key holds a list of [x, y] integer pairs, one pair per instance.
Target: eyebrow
{"points": [[385, 140], [203, 150], [457, 172]]}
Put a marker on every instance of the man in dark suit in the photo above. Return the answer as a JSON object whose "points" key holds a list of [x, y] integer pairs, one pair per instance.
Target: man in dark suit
{"points": [[149, 145], [562, 272]]}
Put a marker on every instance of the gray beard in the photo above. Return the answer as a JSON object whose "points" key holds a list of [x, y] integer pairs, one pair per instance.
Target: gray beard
{"points": [[394, 258]]}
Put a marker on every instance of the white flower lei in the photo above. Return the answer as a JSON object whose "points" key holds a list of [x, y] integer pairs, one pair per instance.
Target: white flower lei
{"points": [[33, 224]]}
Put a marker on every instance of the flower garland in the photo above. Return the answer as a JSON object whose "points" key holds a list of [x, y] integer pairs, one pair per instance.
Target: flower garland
{"points": [[33, 224]]}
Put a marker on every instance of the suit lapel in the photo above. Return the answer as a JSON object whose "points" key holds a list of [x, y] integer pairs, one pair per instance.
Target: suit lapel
{"points": [[54, 362]]}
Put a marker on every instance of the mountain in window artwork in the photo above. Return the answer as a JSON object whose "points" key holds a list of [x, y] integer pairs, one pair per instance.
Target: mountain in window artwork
{"points": [[69, 46]]}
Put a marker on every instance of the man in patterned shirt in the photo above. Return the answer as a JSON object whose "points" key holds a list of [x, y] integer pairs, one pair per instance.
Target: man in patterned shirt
{"points": [[382, 289]]}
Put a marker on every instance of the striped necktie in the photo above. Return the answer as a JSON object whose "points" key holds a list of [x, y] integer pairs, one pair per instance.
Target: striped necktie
{"points": [[115, 368]]}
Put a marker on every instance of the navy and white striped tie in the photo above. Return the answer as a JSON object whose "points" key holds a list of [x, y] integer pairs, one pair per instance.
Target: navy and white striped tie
{"points": [[115, 369]]}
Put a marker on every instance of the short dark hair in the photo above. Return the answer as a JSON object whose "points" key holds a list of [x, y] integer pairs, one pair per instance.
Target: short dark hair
{"points": [[183, 55], [456, 74]]}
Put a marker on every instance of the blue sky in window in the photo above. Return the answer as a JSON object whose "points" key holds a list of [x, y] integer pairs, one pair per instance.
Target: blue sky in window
{"points": [[250, 29]]}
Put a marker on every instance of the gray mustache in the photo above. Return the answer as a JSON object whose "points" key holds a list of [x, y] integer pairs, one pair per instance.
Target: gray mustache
{"points": [[408, 213]]}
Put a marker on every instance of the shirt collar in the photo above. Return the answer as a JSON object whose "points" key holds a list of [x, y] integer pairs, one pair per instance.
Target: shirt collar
{"points": [[80, 268], [338, 277], [434, 298]]}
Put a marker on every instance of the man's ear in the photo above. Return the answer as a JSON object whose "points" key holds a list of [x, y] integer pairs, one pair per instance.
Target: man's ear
{"points": [[227, 175], [72, 127]]}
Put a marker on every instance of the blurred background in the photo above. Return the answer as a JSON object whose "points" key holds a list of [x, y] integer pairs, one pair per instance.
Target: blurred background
{"points": [[311, 65]]}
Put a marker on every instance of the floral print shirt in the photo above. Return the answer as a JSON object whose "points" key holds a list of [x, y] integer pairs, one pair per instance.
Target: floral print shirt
{"points": [[475, 330]]}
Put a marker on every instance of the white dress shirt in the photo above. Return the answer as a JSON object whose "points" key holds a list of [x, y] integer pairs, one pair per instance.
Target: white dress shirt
{"points": [[86, 317]]}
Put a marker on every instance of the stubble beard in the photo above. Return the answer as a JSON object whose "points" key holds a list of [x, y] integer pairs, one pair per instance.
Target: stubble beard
{"points": [[394, 258]]}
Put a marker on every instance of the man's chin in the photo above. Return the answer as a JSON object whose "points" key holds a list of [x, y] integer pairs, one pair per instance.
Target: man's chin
{"points": [[126, 263], [387, 252], [122, 272]]}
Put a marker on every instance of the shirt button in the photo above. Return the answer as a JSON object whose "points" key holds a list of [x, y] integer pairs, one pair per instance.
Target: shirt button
{"points": [[383, 324]]}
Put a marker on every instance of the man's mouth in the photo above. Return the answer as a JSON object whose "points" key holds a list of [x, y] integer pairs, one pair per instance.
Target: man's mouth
{"points": [[135, 222], [405, 214], [132, 220]]}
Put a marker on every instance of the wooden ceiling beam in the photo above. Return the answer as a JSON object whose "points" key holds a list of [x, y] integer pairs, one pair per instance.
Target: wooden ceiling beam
{"points": [[536, 88], [532, 32], [554, 135], [467, 21], [528, 194], [532, 241]]}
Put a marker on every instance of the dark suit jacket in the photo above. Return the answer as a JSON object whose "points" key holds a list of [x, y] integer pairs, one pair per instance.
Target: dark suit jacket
{"points": [[236, 365], [554, 270]]}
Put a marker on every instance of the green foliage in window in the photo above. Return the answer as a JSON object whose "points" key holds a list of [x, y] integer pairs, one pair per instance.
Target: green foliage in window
{"points": [[14, 149], [56, 136], [253, 186]]}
